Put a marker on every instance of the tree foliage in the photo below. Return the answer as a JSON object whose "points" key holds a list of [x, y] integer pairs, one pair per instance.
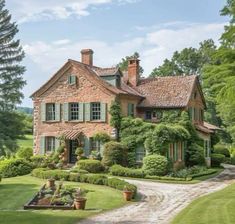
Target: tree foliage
{"points": [[219, 78], [11, 82], [189, 61]]}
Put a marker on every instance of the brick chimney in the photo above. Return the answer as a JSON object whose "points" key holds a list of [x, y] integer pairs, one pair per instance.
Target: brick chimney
{"points": [[133, 71], [87, 56]]}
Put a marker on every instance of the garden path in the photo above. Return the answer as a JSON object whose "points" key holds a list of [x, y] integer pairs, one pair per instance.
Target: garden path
{"points": [[162, 201]]}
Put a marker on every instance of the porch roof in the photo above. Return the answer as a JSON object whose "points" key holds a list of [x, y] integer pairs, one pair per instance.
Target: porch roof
{"points": [[71, 134]]}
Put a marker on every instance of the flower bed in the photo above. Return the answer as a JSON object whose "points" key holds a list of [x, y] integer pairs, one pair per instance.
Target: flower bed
{"points": [[53, 197]]}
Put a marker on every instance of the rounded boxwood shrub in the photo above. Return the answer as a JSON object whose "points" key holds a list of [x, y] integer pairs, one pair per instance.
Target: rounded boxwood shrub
{"points": [[24, 153], [46, 173], [221, 149], [217, 159], [114, 153], [38, 161], [155, 165], [90, 165], [15, 167]]}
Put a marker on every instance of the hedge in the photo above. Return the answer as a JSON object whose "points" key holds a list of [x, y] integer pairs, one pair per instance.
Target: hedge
{"points": [[99, 179], [15, 167], [90, 165], [118, 170], [217, 159]]}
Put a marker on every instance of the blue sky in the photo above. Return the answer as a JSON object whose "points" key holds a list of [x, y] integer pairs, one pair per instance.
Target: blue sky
{"points": [[54, 30]]}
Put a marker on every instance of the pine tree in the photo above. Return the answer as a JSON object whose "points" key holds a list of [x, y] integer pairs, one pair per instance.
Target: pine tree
{"points": [[11, 54], [11, 83]]}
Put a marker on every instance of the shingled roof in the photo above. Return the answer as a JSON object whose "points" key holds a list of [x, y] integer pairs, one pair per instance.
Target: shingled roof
{"points": [[166, 92]]}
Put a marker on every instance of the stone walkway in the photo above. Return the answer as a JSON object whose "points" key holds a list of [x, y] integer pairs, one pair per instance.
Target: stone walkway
{"points": [[161, 202]]}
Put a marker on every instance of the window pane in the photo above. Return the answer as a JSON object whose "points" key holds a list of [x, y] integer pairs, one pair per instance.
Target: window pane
{"points": [[95, 111], [95, 145], [50, 144], [50, 111], [74, 111], [148, 115]]}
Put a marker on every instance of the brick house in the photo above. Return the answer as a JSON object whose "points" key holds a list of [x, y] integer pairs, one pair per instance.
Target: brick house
{"points": [[74, 103]]}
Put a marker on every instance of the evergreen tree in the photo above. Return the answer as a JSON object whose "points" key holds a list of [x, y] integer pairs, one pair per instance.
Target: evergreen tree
{"points": [[11, 82], [11, 54]]}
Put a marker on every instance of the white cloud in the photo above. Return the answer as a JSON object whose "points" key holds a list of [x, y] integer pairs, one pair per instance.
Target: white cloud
{"points": [[153, 47], [36, 10]]}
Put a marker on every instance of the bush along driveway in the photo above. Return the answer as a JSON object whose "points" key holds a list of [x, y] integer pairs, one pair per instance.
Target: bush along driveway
{"points": [[161, 201]]}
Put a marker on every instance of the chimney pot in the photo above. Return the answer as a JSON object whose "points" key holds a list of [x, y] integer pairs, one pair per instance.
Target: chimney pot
{"points": [[87, 56]]}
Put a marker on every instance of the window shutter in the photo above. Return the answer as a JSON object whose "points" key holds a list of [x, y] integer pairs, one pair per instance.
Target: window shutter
{"points": [[42, 145], [87, 111], [43, 112], [66, 111], [57, 143], [129, 109], [81, 112], [86, 146], [57, 111], [103, 111]]}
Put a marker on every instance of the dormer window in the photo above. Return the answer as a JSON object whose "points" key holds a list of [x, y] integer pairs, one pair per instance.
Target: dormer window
{"points": [[72, 79]]}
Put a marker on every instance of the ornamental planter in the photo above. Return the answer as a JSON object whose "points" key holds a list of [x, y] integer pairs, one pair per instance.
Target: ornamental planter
{"points": [[80, 203], [127, 195], [51, 183]]}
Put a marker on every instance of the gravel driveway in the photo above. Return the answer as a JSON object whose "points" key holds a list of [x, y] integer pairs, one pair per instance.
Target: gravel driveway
{"points": [[161, 202]]}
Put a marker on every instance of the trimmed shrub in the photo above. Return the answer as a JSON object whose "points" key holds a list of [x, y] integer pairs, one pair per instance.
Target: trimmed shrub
{"points": [[15, 167], [170, 178], [155, 165], [99, 179], [114, 153], [38, 161], [76, 169], [217, 159], [24, 153], [90, 165], [118, 170], [221, 149], [45, 173], [96, 179]]}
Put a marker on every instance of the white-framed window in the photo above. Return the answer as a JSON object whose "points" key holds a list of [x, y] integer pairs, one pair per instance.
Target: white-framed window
{"points": [[50, 144], [95, 111], [72, 79], [50, 111], [95, 145]]}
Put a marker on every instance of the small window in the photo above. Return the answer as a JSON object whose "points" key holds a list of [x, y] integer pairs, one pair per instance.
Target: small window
{"points": [[140, 154], [95, 145], [154, 114], [159, 114], [195, 95], [148, 115], [95, 111], [72, 79], [50, 111], [74, 111], [50, 144], [131, 110]]}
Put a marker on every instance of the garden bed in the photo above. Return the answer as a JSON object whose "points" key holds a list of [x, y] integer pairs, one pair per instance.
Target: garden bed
{"points": [[52, 198]]}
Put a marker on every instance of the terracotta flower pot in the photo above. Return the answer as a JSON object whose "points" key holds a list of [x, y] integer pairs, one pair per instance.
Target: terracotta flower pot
{"points": [[80, 203], [127, 195], [51, 183]]}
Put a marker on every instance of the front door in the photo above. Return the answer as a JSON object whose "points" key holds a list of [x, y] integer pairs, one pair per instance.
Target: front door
{"points": [[73, 144]]}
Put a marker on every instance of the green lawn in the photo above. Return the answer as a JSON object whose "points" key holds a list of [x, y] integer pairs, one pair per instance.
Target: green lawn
{"points": [[216, 208], [27, 142], [16, 191]]}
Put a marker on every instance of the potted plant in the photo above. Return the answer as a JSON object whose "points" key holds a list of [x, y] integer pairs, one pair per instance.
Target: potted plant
{"points": [[51, 183], [127, 193], [80, 153], [79, 199]]}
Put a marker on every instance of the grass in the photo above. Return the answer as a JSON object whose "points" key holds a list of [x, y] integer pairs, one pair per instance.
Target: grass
{"points": [[27, 142], [216, 208], [193, 181], [16, 191]]}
